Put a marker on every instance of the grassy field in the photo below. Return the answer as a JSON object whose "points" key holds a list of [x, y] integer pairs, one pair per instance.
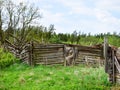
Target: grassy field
{"points": [[23, 77]]}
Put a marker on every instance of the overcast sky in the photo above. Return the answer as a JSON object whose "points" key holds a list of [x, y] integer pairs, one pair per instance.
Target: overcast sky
{"points": [[94, 16]]}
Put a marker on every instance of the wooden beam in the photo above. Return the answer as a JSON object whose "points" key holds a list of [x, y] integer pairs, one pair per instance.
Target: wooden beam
{"points": [[117, 64], [105, 53]]}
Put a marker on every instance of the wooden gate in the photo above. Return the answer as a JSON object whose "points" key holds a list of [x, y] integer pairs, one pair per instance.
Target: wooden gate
{"points": [[112, 65]]}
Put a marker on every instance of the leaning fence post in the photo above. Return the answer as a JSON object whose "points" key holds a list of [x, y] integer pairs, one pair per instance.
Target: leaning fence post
{"points": [[113, 65]]}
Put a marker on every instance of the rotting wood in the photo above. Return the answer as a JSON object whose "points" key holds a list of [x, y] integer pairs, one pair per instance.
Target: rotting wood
{"points": [[117, 64], [47, 53]]}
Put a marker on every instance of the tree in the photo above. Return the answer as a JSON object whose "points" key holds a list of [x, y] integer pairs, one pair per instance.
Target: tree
{"points": [[18, 20], [1, 22], [27, 14], [74, 36], [20, 17], [10, 7]]}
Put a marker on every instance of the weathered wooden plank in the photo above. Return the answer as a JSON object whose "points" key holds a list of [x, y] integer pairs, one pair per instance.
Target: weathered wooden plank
{"points": [[55, 57], [88, 48], [117, 76], [47, 62], [47, 46], [48, 59], [42, 49], [80, 46], [48, 49], [43, 63], [117, 64], [91, 51], [48, 52], [90, 54], [113, 65]]}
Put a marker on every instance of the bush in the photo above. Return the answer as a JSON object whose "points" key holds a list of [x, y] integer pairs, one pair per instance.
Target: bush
{"points": [[6, 58]]}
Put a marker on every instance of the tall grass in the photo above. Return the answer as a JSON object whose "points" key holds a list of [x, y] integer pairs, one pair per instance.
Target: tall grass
{"points": [[23, 77], [6, 58]]}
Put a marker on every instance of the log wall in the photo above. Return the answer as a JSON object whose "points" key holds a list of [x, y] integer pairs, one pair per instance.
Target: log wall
{"points": [[48, 54]]}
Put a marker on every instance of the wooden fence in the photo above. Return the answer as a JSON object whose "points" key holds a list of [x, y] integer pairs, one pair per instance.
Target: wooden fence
{"points": [[68, 54], [49, 54], [89, 55], [112, 62]]}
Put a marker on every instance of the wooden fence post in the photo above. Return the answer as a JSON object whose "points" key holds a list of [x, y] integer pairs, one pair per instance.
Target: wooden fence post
{"points": [[105, 53], [109, 61], [74, 56], [31, 59], [64, 52]]}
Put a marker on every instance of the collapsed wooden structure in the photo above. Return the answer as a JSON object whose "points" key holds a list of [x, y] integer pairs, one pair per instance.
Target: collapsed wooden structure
{"points": [[49, 54], [68, 54]]}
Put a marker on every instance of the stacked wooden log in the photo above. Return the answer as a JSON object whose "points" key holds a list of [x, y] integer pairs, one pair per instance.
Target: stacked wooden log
{"points": [[48, 54]]}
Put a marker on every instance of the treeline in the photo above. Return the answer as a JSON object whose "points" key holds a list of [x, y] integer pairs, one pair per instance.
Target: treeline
{"points": [[48, 35], [18, 25]]}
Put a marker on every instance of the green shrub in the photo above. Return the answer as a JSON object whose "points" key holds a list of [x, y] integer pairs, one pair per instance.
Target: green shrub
{"points": [[6, 58]]}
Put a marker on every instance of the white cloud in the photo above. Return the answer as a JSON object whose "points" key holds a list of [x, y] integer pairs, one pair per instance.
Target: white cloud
{"points": [[105, 21], [108, 4], [100, 10], [50, 18]]}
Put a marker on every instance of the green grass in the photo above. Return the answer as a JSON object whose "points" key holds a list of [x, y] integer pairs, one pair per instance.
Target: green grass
{"points": [[6, 58], [23, 77]]}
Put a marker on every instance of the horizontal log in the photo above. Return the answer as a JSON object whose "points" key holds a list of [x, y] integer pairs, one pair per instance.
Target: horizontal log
{"points": [[88, 47], [117, 76], [49, 57], [90, 54], [48, 46], [49, 62], [85, 56], [85, 49], [45, 49], [48, 54], [45, 52], [43, 63], [91, 51], [34, 44], [44, 60]]}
